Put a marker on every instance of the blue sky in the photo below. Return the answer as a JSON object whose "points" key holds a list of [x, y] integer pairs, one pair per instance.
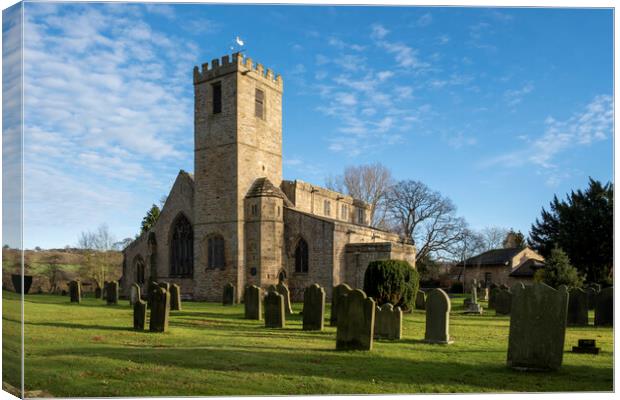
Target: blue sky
{"points": [[498, 109]]}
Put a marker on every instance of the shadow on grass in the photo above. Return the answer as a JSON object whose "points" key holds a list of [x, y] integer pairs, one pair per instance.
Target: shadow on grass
{"points": [[80, 326], [361, 367]]}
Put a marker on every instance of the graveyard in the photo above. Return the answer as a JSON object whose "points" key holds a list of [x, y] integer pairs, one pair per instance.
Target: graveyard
{"points": [[91, 349]]}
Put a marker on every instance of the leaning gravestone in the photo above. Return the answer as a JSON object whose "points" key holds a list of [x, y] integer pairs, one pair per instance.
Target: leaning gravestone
{"points": [[274, 310], [604, 309], [139, 315], [577, 314], [337, 295], [160, 310], [388, 322], [112, 293], [252, 302], [537, 327], [503, 301], [420, 300], [228, 298], [437, 317], [175, 297], [283, 290], [356, 322], [314, 308], [75, 291], [134, 294]]}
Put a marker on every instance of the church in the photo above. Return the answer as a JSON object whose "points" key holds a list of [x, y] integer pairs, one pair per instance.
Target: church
{"points": [[236, 220]]}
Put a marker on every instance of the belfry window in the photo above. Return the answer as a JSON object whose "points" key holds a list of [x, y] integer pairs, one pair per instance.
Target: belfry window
{"points": [[259, 109], [215, 252], [182, 248], [301, 256], [217, 97]]}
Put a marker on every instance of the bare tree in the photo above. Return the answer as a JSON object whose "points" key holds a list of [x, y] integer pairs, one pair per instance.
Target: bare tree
{"points": [[469, 244], [493, 237], [97, 260], [369, 183], [426, 217], [52, 266]]}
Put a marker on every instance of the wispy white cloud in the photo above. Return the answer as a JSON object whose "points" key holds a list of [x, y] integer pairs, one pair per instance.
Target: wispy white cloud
{"points": [[592, 124], [515, 96], [424, 20]]}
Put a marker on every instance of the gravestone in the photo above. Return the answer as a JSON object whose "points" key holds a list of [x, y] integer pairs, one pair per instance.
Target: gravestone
{"points": [[134, 294], [175, 297], [577, 314], [604, 308], [484, 294], [160, 310], [504, 286], [139, 315], [314, 308], [388, 322], [253, 302], [586, 346], [420, 300], [472, 306], [75, 291], [283, 290], [437, 317], [164, 285], [591, 293], [537, 327], [98, 292], [493, 288], [152, 288], [337, 295], [228, 297], [503, 301], [112, 293], [274, 310], [356, 322]]}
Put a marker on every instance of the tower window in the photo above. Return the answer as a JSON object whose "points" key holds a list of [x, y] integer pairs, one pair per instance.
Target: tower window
{"points": [[259, 109], [217, 97]]}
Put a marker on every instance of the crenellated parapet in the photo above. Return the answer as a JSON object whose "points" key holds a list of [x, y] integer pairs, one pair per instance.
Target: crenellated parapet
{"points": [[236, 62]]}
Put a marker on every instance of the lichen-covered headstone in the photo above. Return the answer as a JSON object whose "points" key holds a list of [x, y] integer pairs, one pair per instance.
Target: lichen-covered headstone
{"points": [[604, 308], [537, 327], [314, 308], [160, 310], [175, 297], [337, 295], [112, 293], [420, 300], [503, 301], [274, 310], [134, 293], [284, 291], [139, 315], [75, 291], [437, 317], [356, 322], [228, 297], [388, 322], [253, 302], [577, 307]]}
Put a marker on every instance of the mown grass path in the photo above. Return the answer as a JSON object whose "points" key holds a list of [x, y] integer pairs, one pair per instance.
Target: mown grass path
{"points": [[90, 350]]}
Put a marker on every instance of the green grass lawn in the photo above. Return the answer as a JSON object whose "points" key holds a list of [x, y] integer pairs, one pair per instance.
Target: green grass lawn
{"points": [[91, 350]]}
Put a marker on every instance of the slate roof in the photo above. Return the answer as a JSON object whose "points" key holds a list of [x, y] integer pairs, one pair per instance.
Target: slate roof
{"points": [[262, 187], [528, 268], [492, 257]]}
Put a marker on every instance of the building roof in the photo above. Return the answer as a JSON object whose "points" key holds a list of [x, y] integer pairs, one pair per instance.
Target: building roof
{"points": [[528, 268], [492, 257], [262, 187]]}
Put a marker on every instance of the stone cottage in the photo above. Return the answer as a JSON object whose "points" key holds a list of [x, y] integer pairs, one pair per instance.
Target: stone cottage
{"points": [[500, 266], [235, 219]]}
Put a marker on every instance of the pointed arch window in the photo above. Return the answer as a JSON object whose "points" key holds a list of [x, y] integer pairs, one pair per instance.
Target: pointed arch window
{"points": [[182, 248], [215, 252], [301, 256], [139, 268]]}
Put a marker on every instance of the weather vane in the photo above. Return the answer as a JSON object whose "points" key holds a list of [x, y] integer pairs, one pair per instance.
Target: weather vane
{"points": [[239, 43]]}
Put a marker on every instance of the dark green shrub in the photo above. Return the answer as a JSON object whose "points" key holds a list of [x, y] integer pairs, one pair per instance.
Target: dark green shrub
{"points": [[392, 281], [456, 287]]}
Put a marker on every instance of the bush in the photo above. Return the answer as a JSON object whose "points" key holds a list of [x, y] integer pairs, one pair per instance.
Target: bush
{"points": [[392, 281], [456, 287], [558, 271]]}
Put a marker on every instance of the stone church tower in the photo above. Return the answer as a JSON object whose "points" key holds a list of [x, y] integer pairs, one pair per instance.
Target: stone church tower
{"points": [[237, 139]]}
